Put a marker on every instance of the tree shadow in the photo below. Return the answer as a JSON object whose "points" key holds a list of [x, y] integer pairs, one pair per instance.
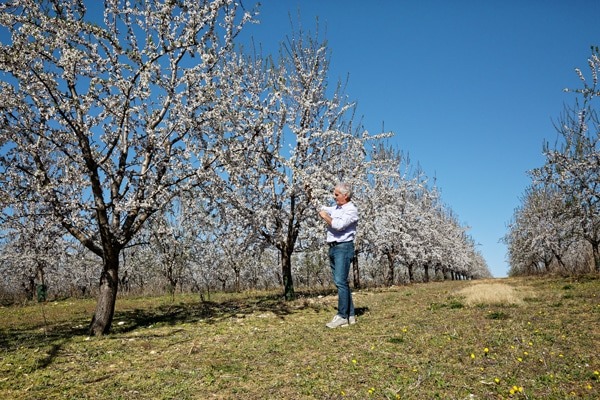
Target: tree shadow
{"points": [[54, 336], [206, 311]]}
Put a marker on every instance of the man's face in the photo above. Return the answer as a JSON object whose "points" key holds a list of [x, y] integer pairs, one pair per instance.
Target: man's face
{"points": [[340, 198]]}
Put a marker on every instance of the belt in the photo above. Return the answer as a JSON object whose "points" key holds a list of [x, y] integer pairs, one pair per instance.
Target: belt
{"points": [[333, 244]]}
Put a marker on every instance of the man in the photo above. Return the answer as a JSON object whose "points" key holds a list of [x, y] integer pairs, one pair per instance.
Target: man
{"points": [[341, 229]]}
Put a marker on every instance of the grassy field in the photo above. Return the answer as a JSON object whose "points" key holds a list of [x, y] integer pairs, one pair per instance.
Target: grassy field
{"points": [[496, 339]]}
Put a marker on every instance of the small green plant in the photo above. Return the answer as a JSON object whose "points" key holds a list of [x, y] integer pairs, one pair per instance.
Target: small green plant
{"points": [[454, 304], [499, 315], [396, 340], [567, 287]]}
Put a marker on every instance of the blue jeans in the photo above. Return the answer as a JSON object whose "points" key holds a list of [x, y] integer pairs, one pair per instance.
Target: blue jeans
{"points": [[340, 259]]}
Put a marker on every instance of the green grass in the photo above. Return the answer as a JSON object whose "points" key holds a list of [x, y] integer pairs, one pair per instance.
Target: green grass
{"points": [[422, 341]]}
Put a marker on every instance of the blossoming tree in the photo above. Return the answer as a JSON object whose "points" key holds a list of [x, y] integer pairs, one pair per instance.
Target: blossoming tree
{"points": [[106, 120], [306, 144], [573, 165]]}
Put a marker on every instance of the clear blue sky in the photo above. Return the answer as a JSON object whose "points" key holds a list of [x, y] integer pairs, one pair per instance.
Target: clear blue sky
{"points": [[471, 88]]}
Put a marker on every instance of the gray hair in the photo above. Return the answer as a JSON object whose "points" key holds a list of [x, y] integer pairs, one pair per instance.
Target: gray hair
{"points": [[345, 189]]}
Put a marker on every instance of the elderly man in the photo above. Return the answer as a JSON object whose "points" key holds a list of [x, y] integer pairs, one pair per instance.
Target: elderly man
{"points": [[341, 220]]}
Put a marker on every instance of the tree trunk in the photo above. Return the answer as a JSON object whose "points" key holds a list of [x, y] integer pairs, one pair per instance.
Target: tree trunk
{"points": [[286, 272], [411, 274], [438, 270], [355, 271], [560, 261], [547, 264], [426, 268], [237, 282], [107, 297], [596, 253], [447, 275], [390, 276]]}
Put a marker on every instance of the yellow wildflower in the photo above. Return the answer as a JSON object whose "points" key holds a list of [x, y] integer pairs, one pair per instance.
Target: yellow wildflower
{"points": [[516, 389]]}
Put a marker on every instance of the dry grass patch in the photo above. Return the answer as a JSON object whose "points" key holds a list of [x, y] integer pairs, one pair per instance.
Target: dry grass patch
{"points": [[495, 293]]}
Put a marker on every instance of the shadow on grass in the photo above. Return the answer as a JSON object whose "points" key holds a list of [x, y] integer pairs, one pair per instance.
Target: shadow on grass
{"points": [[211, 312], [206, 311], [53, 336]]}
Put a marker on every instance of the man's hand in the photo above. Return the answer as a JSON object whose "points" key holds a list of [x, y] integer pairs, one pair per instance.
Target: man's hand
{"points": [[325, 216]]}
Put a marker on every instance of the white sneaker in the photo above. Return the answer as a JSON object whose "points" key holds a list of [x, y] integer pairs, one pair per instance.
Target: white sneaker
{"points": [[337, 322], [351, 320]]}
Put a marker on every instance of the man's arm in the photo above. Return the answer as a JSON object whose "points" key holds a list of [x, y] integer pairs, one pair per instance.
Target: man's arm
{"points": [[326, 217], [349, 217]]}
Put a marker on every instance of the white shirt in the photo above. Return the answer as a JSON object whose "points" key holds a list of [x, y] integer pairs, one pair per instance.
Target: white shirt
{"points": [[344, 220]]}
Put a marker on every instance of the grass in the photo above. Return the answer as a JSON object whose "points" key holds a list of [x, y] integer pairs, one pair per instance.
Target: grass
{"points": [[423, 341]]}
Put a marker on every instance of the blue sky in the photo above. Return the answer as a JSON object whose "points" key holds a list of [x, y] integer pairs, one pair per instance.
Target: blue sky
{"points": [[470, 88]]}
